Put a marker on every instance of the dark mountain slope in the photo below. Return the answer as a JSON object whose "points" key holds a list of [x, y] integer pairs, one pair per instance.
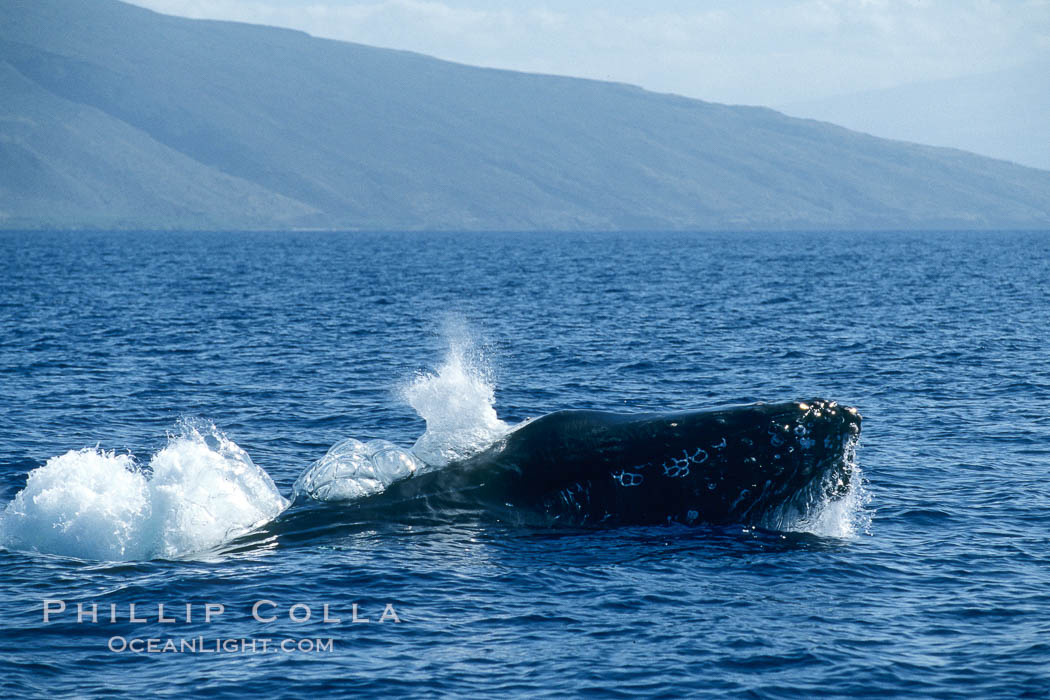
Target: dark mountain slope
{"points": [[117, 116]]}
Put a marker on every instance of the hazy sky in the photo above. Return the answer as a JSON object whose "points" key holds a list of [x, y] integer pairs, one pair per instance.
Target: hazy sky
{"points": [[735, 51]]}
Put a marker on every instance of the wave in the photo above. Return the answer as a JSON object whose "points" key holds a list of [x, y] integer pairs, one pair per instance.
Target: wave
{"points": [[202, 490], [198, 492]]}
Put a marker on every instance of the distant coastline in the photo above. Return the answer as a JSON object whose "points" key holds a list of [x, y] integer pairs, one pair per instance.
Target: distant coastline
{"points": [[128, 119]]}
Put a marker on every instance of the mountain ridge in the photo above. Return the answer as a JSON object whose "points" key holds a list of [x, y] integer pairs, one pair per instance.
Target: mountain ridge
{"points": [[1001, 114], [119, 117]]}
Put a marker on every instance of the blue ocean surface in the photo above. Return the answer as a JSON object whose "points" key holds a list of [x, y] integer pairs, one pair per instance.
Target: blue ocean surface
{"points": [[160, 393]]}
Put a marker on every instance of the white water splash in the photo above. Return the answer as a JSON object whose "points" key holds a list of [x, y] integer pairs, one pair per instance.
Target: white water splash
{"points": [[199, 491], [457, 403], [844, 517]]}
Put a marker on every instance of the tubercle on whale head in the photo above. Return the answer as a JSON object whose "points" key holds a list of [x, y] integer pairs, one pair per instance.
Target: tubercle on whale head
{"points": [[798, 449], [834, 429], [822, 412], [738, 463], [835, 425], [789, 417]]}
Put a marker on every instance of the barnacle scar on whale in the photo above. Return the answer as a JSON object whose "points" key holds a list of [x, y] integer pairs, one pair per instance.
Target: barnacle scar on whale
{"points": [[762, 464]]}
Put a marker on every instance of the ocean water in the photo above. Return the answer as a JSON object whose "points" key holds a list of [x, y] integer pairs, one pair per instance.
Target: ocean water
{"points": [[160, 394]]}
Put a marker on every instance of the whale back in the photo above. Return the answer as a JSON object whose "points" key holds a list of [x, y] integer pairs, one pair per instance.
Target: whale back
{"points": [[745, 463]]}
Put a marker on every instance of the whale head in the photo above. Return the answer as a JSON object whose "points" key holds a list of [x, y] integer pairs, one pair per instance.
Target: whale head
{"points": [[799, 456], [764, 464], [758, 463]]}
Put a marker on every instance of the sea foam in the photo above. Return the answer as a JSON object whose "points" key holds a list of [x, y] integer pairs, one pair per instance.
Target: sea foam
{"points": [[353, 469], [457, 403], [198, 492], [843, 517]]}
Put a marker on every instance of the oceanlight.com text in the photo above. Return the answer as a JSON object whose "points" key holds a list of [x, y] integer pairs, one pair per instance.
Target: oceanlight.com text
{"points": [[201, 645]]}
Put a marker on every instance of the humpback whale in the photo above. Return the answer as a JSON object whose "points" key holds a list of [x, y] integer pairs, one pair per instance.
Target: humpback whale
{"points": [[754, 464]]}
